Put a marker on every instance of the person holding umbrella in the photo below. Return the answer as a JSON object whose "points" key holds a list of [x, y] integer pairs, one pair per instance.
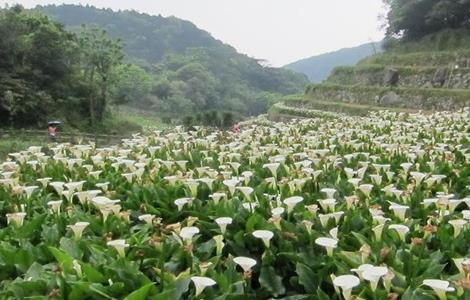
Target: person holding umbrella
{"points": [[53, 129]]}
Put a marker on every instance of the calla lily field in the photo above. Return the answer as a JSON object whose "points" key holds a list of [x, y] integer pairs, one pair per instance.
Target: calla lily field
{"points": [[334, 207]]}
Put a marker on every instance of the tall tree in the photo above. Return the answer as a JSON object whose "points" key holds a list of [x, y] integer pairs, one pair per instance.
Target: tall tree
{"points": [[36, 67], [100, 55], [411, 19]]}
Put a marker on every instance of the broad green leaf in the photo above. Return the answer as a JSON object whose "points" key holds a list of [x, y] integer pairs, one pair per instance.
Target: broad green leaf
{"points": [[64, 260], [271, 282], [306, 278], [141, 293]]}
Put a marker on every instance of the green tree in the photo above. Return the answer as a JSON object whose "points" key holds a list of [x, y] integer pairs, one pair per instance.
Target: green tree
{"points": [[100, 55], [37, 68], [411, 19], [130, 84]]}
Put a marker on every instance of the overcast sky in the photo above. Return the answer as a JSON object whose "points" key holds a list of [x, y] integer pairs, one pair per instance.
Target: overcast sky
{"points": [[280, 31]]}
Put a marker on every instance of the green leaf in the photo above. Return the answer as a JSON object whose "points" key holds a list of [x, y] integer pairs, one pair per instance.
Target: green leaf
{"points": [[64, 260], [252, 222], [141, 293], [92, 274], [32, 227], [322, 295], [165, 295], [416, 294], [271, 282], [71, 248], [306, 278]]}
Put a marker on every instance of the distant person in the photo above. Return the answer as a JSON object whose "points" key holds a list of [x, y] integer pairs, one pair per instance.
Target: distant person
{"points": [[236, 128], [52, 131]]}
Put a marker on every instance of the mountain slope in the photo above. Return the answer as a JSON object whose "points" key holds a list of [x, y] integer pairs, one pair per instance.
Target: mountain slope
{"points": [[318, 68], [150, 40], [146, 37]]}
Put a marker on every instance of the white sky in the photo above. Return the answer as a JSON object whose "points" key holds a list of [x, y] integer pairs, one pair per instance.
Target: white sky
{"points": [[280, 31]]}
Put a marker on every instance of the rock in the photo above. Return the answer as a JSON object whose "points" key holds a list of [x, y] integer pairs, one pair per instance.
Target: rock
{"points": [[440, 77], [390, 99], [428, 85], [391, 77]]}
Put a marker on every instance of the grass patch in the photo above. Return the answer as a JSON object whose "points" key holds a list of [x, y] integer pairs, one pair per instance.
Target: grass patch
{"points": [[136, 117], [16, 144], [440, 58]]}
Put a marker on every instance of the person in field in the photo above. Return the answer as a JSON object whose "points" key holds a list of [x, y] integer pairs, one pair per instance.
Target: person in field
{"points": [[236, 128], [53, 129]]}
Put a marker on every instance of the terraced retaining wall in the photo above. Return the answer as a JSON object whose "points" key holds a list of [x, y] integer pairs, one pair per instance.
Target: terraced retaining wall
{"points": [[414, 98], [408, 77]]}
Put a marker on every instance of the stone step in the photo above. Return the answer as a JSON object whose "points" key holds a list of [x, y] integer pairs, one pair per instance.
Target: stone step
{"points": [[407, 77], [403, 98], [434, 59]]}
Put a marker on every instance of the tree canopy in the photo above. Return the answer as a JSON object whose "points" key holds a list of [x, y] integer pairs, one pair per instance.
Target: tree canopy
{"points": [[412, 19], [48, 72]]}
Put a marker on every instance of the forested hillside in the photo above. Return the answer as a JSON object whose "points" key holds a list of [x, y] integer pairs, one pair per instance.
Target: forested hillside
{"points": [[80, 61], [47, 72], [190, 71], [319, 67]]}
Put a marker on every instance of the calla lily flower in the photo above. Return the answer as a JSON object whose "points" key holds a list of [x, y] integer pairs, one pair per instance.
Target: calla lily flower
{"points": [[246, 191], [278, 211], [328, 204], [334, 233], [402, 230], [346, 283], [18, 218], [460, 263], [231, 184], [147, 218], [440, 287], [399, 210], [366, 189], [291, 202], [361, 269], [219, 244], [223, 222], [249, 205], [201, 283], [265, 235], [182, 202], [78, 228], [458, 225], [28, 190], [44, 181], [119, 245], [272, 167], [58, 186], [187, 233], [328, 243], [329, 192], [245, 263], [217, 197], [373, 275], [55, 206]]}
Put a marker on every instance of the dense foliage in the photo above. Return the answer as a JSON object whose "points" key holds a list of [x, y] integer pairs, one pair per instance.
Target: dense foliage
{"points": [[191, 71], [37, 71], [413, 19], [333, 208], [47, 72]]}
